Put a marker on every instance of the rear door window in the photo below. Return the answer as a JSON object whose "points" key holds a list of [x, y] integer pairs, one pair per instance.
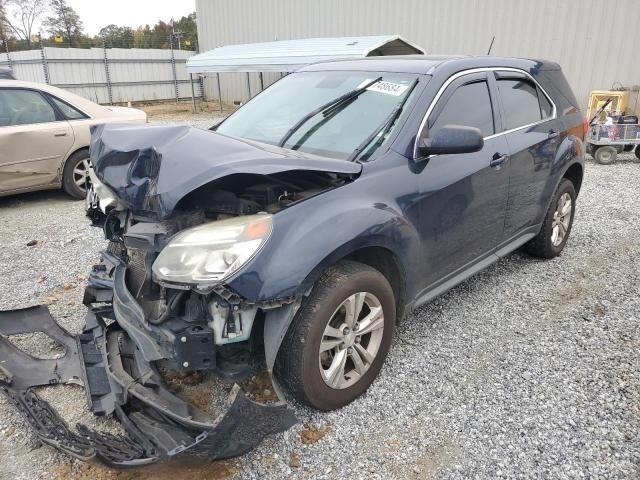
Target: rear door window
{"points": [[24, 107], [523, 102], [468, 105]]}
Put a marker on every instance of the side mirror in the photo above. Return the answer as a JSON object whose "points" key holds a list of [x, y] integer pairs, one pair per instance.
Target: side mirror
{"points": [[451, 139]]}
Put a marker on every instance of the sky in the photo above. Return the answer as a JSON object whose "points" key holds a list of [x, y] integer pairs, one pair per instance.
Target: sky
{"points": [[96, 14]]}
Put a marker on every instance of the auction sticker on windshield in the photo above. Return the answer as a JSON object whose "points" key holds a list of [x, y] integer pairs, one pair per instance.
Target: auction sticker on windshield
{"points": [[390, 88]]}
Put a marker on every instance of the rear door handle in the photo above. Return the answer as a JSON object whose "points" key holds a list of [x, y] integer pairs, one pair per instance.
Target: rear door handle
{"points": [[553, 134], [497, 160], [60, 134]]}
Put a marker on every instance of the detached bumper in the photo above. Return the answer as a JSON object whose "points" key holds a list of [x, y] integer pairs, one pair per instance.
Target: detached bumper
{"points": [[119, 381]]}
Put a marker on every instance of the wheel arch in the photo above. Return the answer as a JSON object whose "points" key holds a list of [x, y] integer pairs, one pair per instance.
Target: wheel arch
{"points": [[68, 157], [376, 255], [389, 265], [575, 174]]}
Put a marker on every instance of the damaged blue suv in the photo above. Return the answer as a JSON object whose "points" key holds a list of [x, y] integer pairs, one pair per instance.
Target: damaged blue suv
{"points": [[296, 235]]}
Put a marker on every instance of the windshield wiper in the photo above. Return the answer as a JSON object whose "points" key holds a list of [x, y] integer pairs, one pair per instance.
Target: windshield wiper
{"points": [[329, 107], [384, 126]]}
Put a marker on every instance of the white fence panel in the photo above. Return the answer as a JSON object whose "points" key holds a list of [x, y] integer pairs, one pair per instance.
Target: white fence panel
{"points": [[26, 65], [125, 75]]}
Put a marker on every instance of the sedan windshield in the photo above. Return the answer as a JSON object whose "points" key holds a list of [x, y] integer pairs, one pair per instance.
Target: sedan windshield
{"points": [[360, 122]]}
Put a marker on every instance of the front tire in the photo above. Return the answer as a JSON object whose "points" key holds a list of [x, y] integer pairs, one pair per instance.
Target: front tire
{"points": [[339, 338], [75, 174], [556, 228]]}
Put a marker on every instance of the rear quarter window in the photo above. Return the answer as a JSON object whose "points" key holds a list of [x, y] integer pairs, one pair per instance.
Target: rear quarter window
{"points": [[70, 113]]}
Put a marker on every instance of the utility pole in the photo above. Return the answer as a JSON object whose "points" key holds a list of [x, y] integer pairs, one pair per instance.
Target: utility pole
{"points": [[175, 34]]}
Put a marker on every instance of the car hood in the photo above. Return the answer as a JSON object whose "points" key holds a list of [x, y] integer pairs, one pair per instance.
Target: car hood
{"points": [[150, 168]]}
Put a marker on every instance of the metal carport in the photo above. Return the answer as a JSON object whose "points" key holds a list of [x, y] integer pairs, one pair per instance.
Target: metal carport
{"points": [[290, 55]]}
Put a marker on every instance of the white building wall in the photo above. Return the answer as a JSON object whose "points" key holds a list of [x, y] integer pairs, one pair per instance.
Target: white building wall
{"points": [[594, 41]]}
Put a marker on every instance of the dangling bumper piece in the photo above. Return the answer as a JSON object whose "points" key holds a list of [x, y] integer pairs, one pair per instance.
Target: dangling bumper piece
{"points": [[119, 381]]}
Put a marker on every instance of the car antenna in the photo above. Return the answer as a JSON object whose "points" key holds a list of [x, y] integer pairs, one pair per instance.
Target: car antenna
{"points": [[491, 45]]}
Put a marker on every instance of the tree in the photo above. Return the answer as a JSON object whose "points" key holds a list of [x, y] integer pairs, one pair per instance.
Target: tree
{"points": [[142, 37], [4, 30], [160, 35], [21, 15], [188, 31], [64, 22], [117, 37]]}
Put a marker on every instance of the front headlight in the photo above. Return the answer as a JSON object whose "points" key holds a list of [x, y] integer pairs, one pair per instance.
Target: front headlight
{"points": [[207, 254]]}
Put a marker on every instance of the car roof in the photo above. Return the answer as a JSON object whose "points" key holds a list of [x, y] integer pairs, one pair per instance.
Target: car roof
{"points": [[430, 64]]}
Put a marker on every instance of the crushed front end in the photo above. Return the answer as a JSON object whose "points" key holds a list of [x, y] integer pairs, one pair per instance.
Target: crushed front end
{"points": [[123, 360], [158, 305]]}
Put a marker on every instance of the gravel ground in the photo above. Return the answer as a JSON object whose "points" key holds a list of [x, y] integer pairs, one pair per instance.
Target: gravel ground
{"points": [[530, 369]]}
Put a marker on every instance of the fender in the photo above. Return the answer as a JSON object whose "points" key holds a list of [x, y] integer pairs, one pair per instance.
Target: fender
{"points": [[569, 153], [296, 255]]}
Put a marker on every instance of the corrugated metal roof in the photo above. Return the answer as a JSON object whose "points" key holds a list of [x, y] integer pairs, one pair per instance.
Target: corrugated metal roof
{"points": [[290, 55]]}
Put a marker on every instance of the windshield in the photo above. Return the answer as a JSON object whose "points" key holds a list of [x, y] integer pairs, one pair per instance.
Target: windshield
{"points": [[336, 131]]}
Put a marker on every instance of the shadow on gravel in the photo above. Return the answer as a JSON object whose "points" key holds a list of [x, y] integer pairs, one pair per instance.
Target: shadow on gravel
{"points": [[44, 196]]}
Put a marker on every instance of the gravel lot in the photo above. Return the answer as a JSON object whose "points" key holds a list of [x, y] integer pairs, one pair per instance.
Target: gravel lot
{"points": [[530, 369]]}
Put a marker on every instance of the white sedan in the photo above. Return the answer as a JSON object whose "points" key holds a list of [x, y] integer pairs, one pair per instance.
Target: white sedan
{"points": [[44, 136]]}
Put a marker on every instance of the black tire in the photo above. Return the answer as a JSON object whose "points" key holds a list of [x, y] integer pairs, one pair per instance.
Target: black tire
{"points": [[68, 181], [542, 245], [637, 151], [605, 155], [298, 363]]}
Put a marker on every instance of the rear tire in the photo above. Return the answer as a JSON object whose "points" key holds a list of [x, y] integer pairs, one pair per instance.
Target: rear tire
{"points": [[76, 170], [637, 151], [556, 227], [605, 155], [322, 320]]}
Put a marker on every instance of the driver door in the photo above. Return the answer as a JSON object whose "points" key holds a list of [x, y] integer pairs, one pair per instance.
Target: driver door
{"points": [[463, 196], [34, 141]]}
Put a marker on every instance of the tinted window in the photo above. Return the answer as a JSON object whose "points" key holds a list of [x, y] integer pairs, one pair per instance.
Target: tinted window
{"points": [[23, 107], [469, 105], [520, 102], [67, 110]]}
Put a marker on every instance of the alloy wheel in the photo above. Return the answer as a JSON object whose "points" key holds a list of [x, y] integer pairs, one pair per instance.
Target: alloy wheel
{"points": [[561, 219], [351, 340], [81, 174]]}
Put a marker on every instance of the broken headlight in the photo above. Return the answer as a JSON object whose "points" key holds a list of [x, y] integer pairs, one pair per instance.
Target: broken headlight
{"points": [[207, 254]]}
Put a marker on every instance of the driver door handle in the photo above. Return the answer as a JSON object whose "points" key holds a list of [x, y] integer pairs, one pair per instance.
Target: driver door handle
{"points": [[553, 134], [497, 160], [60, 134]]}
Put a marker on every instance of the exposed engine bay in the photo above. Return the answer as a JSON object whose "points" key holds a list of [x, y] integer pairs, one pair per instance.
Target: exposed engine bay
{"points": [[208, 316]]}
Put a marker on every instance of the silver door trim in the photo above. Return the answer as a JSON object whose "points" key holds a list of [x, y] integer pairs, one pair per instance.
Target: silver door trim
{"points": [[471, 71]]}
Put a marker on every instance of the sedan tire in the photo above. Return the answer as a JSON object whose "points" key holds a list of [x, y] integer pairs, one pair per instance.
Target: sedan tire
{"points": [[339, 338], [76, 171], [556, 228]]}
